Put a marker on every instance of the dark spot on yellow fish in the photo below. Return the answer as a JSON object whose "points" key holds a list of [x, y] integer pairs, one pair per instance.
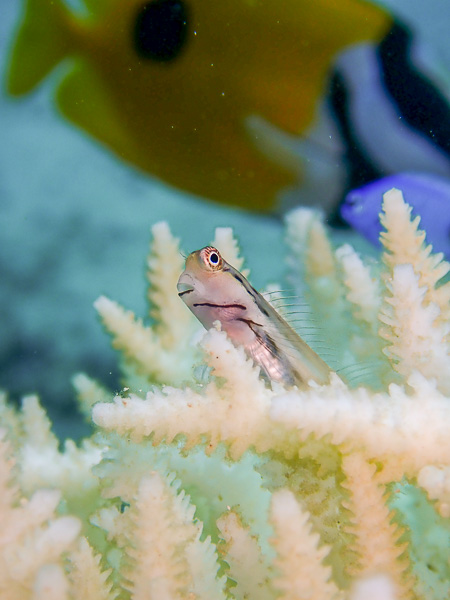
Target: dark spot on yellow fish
{"points": [[160, 30]]}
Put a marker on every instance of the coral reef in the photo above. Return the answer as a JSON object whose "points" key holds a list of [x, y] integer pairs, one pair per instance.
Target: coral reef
{"points": [[203, 481]]}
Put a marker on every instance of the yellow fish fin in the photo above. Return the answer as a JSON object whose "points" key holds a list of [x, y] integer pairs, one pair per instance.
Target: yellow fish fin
{"points": [[82, 99], [42, 42]]}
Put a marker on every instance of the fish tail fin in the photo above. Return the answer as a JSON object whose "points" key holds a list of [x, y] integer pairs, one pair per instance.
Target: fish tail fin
{"points": [[42, 41]]}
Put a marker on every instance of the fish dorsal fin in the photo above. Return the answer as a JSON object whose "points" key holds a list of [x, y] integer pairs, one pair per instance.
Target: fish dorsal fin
{"points": [[42, 42], [82, 99], [297, 313], [306, 363]]}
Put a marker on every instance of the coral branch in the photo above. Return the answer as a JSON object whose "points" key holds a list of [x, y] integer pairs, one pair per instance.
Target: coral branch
{"points": [[363, 289], [51, 584], [299, 561], [385, 427], [141, 345], [306, 470], [232, 411], [377, 538], [247, 565], [405, 244], [165, 263], [89, 392], [436, 481], [167, 558], [86, 576], [32, 539], [418, 340]]}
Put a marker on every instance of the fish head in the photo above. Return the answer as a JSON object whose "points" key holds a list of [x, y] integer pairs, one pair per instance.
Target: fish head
{"points": [[197, 280], [209, 288], [427, 194], [361, 209]]}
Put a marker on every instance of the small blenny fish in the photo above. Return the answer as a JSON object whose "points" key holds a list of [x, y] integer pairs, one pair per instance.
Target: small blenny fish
{"points": [[428, 195], [215, 291]]}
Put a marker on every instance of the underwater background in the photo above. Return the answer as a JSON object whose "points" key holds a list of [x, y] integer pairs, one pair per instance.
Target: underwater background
{"points": [[75, 224]]}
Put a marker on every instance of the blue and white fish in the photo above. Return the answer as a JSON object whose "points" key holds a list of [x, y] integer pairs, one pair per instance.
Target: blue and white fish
{"points": [[385, 112], [428, 195]]}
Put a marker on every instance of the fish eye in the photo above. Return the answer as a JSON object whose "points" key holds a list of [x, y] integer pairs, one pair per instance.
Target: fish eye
{"points": [[160, 30], [211, 257]]}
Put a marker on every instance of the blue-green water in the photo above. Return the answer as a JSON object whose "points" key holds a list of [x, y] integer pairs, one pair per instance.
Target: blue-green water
{"points": [[76, 223]]}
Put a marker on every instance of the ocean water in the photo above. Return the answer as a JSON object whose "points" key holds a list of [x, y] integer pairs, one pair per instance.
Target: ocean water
{"points": [[76, 223]]}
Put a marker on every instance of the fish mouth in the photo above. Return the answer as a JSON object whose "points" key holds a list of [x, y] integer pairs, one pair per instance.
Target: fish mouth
{"points": [[184, 288]]}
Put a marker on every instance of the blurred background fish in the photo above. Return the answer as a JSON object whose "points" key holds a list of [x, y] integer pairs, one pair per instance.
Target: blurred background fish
{"points": [[428, 195], [169, 84], [241, 101], [391, 117]]}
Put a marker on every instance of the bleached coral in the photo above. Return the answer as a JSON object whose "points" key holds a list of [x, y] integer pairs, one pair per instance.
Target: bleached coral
{"points": [[87, 579], [376, 536], [33, 539], [299, 559], [436, 481], [205, 482]]}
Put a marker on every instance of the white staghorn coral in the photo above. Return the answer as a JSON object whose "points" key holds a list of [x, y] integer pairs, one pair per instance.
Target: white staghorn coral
{"points": [[418, 339], [234, 410], [159, 352], [405, 244], [203, 481], [167, 559], [363, 289], [248, 566], [436, 481], [376, 537], [32, 539], [386, 427], [302, 574], [165, 263], [86, 576]]}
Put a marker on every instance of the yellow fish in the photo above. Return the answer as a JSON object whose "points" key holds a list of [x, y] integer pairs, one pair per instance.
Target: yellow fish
{"points": [[215, 291], [169, 85]]}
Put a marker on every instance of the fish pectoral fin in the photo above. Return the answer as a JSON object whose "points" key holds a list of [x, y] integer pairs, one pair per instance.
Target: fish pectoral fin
{"points": [[82, 99], [42, 42]]}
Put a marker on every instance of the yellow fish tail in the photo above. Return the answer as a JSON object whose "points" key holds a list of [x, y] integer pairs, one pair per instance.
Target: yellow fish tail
{"points": [[42, 42]]}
